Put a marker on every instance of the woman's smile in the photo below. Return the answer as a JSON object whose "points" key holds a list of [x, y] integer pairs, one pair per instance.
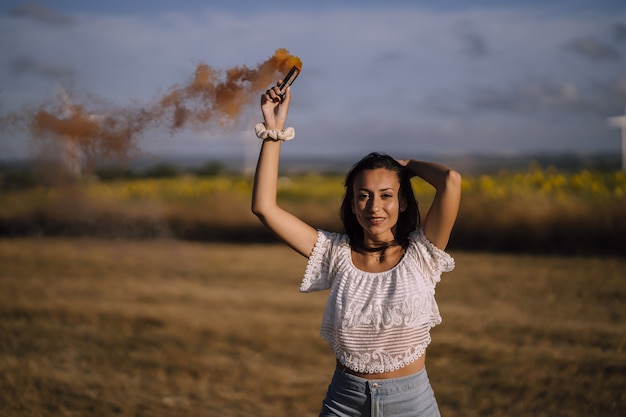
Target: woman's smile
{"points": [[376, 220]]}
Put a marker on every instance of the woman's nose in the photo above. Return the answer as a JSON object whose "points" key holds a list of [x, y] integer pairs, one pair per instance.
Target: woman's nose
{"points": [[374, 204]]}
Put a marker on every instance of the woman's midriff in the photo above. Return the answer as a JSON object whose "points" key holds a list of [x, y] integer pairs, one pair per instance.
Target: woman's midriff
{"points": [[410, 369]]}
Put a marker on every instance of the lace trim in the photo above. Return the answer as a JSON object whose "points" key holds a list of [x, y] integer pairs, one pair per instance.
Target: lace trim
{"points": [[443, 261], [314, 265], [408, 312], [378, 361]]}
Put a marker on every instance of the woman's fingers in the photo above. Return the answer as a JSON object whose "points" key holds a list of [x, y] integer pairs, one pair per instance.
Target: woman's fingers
{"points": [[275, 94]]}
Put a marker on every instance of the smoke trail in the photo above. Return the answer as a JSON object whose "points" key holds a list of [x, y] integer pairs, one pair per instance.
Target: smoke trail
{"points": [[212, 97], [206, 99]]}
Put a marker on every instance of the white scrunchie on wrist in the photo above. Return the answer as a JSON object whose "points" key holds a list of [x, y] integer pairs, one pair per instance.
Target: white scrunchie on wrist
{"points": [[274, 134]]}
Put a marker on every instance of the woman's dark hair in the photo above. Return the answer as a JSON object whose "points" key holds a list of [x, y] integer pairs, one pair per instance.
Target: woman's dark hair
{"points": [[408, 219]]}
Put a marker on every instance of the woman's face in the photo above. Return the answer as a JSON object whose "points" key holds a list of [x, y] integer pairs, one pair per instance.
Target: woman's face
{"points": [[376, 203]]}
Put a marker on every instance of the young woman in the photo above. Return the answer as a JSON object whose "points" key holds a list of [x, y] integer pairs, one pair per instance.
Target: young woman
{"points": [[381, 273]]}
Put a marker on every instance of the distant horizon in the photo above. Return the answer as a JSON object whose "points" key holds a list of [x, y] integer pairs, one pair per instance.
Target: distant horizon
{"points": [[469, 161]]}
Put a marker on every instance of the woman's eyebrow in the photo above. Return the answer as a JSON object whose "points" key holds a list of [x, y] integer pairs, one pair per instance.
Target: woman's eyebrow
{"points": [[381, 189]]}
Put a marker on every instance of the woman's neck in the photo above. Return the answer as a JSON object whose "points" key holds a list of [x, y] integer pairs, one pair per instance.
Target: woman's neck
{"points": [[378, 241]]}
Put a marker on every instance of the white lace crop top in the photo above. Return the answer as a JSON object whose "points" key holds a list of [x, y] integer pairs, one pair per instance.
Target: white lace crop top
{"points": [[377, 322]]}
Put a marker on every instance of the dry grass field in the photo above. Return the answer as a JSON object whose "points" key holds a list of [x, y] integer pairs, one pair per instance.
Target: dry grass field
{"points": [[168, 328]]}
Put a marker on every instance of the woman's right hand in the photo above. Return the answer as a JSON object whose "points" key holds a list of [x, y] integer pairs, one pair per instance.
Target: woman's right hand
{"points": [[273, 108]]}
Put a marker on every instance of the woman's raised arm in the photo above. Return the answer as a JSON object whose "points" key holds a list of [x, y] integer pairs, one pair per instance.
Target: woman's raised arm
{"points": [[445, 207], [294, 232]]}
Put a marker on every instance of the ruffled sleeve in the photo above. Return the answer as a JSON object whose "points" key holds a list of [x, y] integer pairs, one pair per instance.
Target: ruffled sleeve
{"points": [[433, 260], [317, 276]]}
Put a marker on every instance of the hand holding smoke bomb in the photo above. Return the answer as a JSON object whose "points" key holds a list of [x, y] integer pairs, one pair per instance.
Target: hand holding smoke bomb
{"points": [[275, 109], [278, 93]]}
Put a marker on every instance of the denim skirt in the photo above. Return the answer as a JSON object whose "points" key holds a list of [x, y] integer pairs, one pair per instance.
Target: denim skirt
{"points": [[351, 396]]}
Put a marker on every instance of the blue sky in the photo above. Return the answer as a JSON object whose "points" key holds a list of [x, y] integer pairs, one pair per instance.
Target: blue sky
{"points": [[403, 77]]}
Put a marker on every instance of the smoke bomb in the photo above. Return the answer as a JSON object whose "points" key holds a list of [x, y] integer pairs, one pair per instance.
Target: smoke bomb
{"points": [[289, 79]]}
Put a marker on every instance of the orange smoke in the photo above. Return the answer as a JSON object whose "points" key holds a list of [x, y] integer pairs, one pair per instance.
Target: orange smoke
{"points": [[213, 97], [206, 99]]}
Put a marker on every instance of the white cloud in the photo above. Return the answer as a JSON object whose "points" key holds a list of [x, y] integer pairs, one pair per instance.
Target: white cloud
{"points": [[42, 13], [593, 49]]}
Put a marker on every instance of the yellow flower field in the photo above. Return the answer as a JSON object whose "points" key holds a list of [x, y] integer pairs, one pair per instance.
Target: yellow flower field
{"points": [[537, 210]]}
